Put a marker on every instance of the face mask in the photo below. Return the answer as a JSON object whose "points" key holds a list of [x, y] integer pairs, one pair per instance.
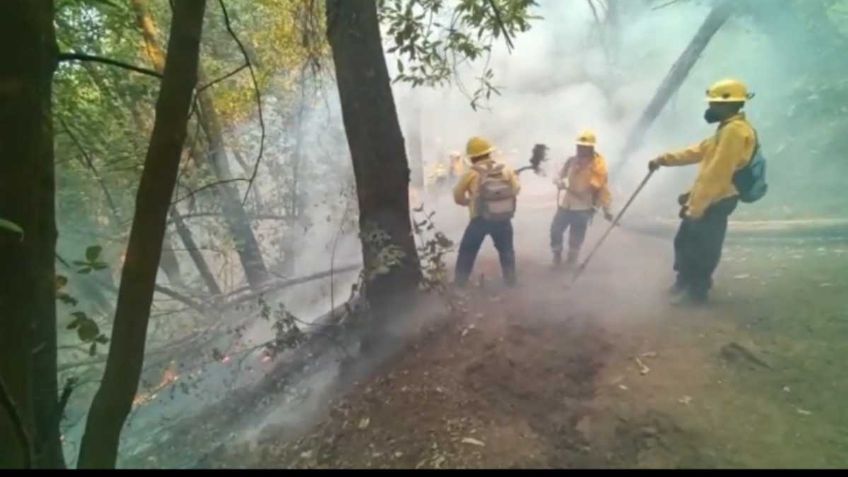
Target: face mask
{"points": [[711, 116]]}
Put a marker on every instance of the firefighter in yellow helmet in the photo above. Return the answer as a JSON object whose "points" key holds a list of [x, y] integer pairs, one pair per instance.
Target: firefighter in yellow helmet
{"points": [[490, 191], [582, 185], [708, 204]]}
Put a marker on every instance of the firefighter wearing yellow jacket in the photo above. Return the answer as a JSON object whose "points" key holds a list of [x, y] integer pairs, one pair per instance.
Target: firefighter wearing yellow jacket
{"points": [[582, 185], [706, 207], [489, 190]]}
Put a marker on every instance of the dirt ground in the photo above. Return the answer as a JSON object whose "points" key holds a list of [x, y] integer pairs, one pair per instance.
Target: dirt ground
{"points": [[605, 373]]}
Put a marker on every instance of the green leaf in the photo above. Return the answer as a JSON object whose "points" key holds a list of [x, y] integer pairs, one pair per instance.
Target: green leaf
{"points": [[93, 349], [67, 299], [80, 315], [61, 281], [84, 270], [88, 331], [99, 265], [102, 339], [12, 227], [91, 253]]}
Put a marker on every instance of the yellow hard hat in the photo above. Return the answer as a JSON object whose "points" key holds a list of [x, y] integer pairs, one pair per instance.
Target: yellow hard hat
{"points": [[728, 91], [586, 138], [477, 146]]}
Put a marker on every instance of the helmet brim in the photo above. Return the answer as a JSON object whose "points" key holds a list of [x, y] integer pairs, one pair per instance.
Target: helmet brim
{"points": [[481, 153]]}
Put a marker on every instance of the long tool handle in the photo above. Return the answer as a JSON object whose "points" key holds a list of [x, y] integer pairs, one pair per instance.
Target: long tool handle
{"points": [[612, 226]]}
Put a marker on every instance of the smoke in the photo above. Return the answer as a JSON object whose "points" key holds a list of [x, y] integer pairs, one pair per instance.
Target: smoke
{"points": [[569, 73]]}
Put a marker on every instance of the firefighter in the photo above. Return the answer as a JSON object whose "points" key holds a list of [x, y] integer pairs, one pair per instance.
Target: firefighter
{"points": [[489, 190], [713, 197], [582, 187]]}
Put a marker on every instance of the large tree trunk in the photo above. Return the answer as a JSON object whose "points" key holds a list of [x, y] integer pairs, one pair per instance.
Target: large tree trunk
{"points": [[675, 77], [112, 403], [27, 275], [376, 143], [234, 215]]}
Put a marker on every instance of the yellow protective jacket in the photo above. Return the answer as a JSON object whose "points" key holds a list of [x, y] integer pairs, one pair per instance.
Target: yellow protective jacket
{"points": [[587, 184], [720, 156], [465, 192]]}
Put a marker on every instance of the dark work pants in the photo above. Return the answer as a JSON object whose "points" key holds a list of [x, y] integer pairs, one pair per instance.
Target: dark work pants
{"points": [[577, 221], [472, 240], [698, 244]]}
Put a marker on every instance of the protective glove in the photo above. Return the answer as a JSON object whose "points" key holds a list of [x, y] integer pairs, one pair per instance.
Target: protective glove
{"points": [[654, 164], [683, 199], [683, 213]]}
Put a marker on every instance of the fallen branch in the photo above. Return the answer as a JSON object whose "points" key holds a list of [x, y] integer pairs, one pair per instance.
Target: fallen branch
{"points": [[291, 282]]}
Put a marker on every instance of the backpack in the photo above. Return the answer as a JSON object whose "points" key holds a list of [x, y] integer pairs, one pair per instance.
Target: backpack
{"points": [[496, 199], [750, 181]]}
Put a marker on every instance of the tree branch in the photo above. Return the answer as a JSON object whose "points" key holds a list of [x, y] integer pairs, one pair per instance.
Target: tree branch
{"points": [[501, 25], [108, 61], [222, 78], [258, 98], [191, 193], [9, 405]]}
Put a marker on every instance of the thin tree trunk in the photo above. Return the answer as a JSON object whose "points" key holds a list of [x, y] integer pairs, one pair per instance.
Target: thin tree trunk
{"points": [[376, 144], [416, 153], [195, 253], [234, 214], [27, 189], [169, 262], [675, 77], [112, 403]]}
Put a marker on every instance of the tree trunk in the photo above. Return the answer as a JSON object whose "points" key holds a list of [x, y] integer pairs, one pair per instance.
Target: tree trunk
{"points": [[234, 214], [27, 187], [675, 77], [376, 144], [416, 154], [195, 253], [112, 403], [169, 263]]}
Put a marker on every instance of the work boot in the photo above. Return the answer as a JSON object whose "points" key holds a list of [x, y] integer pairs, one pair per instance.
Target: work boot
{"points": [[690, 299], [571, 260], [678, 288]]}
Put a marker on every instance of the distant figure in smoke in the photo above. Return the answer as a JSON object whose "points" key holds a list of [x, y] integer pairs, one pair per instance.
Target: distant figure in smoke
{"points": [[490, 191], [583, 178], [457, 166], [714, 196]]}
